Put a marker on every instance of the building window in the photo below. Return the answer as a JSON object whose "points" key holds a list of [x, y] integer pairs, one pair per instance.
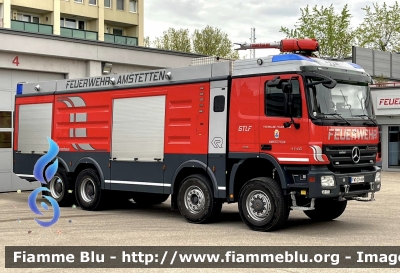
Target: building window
{"points": [[69, 23], [394, 147], [28, 18], [5, 140], [5, 129], [107, 3], [120, 4], [79, 1], [117, 31], [81, 25], [72, 23], [275, 101], [132, 5], [5, 119], [93, 2]]}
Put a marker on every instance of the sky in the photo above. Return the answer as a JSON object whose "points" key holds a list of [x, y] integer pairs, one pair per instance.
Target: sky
{"points": [[236, 17]]}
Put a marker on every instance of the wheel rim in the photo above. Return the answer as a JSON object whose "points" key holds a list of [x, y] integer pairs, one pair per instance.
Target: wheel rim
{"points": [[88, 190], [56, 187], [258, 205], [194, 199]]}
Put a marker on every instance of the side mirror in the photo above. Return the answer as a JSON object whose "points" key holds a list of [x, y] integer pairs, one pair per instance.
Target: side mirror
{"points": [[276, 82], [331, 84], [287, 88]]}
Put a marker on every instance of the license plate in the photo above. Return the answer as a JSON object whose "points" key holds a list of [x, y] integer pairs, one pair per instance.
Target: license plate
{"points": [[357, 179]]}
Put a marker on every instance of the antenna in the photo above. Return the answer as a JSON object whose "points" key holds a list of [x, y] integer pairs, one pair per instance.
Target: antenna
{"points": [[252, 41]]}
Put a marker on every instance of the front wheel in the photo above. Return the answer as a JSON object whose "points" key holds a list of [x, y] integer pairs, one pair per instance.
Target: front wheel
{"points": [[262, 205], [326, 209], [196, 201]]}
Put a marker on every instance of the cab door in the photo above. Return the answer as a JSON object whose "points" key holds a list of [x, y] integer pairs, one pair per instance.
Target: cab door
{"points": [[288, 145]]}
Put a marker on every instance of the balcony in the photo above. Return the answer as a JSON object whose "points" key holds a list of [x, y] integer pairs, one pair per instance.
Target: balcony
{"points": [[73, 33], [77, 33], [31, 27], [118, 39]]}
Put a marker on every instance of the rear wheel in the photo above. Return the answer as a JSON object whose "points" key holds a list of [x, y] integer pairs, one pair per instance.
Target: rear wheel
{"points": [[59, 186], [196, 200], [88, 190], [262, 205], [148, 199], [326, 209]]}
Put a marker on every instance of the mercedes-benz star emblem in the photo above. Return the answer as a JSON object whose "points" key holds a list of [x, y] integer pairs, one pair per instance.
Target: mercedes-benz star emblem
{"points": [[356, 155]]}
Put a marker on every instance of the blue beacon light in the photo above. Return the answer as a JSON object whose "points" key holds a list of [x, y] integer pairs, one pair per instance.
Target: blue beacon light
{"points": [[20, 88], [290, 57]]}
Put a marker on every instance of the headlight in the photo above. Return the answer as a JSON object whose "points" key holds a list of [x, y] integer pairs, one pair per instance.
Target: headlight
{"points": [[327, 181], [378, 177]]}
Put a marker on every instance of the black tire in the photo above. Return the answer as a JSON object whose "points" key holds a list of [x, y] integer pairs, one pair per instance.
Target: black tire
{"points": [[88, 190], [200, 186], [59, 187], [326, 209], [149, 199], [270, 198]]}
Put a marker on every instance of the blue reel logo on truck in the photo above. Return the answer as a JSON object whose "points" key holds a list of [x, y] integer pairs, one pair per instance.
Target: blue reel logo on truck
{"points": [[44, 170]]}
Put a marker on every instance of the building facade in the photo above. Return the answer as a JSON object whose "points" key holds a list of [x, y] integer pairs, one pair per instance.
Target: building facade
{"points": [[34, 57], [111, 21], [386, 101], [384, 66]]}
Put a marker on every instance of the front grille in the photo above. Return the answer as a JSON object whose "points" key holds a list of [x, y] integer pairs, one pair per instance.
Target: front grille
{"points": [[340, 156]]}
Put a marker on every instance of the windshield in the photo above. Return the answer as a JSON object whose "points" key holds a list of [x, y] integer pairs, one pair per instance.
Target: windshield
{"points": [[349, 100]]}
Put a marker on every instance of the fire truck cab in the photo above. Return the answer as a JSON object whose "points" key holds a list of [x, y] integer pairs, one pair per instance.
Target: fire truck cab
{"points": [[274, 134]]}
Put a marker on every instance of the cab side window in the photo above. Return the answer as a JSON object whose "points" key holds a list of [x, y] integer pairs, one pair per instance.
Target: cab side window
{"points": [[275, 101]]}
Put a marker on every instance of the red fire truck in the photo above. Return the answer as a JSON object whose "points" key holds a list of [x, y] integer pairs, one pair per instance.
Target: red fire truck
{"points": [[274, 134]]}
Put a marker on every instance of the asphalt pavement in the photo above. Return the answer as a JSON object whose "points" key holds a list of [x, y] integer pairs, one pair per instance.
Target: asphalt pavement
{"points": [[363, 224]]}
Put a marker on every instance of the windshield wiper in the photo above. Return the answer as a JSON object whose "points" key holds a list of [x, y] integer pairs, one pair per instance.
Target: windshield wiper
{"points": [[368, 118], [339, 115], [364, 115]]}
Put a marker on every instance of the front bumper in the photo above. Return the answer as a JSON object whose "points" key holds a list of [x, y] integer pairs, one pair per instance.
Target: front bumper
{"points": [[344, 184]]}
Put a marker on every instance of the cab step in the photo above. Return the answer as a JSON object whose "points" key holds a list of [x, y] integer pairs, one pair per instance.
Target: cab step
{"points": [[364, 199]]}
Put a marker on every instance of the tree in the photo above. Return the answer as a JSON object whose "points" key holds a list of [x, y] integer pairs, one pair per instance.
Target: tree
{"points": [[208, 41], [332, 30], [381, 28], [146, 41], [213, 42], [175, 40], [380, 80]]}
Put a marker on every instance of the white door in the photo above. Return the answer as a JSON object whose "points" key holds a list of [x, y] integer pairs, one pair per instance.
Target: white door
{"points": [[8, 84]]}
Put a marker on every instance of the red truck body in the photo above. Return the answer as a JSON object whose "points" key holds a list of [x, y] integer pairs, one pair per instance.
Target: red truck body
{"points": [[206, 135]]}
